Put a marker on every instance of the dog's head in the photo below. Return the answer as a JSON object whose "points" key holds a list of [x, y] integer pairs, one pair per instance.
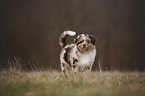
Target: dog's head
{"points": [[85, 42]]}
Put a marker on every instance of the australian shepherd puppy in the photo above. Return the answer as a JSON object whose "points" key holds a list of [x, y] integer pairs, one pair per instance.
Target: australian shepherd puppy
{"points": [[78, 56]]}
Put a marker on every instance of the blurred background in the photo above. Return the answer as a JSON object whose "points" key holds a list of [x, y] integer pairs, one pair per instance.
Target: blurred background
{"points": [[30, 30]]}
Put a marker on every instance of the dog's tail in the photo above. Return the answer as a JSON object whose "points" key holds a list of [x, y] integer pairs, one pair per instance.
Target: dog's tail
{"points": [[64, 35]]}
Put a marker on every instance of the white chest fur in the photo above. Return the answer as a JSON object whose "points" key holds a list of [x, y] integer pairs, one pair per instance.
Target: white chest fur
{"points": [[87, 58]]}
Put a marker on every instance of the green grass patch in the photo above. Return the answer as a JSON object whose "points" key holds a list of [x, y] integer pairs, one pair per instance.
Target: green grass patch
{"points": [[53, 83]]}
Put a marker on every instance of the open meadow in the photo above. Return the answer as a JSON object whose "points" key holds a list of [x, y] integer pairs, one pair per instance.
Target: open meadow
{"points": [[53, 83], [37, 37]]}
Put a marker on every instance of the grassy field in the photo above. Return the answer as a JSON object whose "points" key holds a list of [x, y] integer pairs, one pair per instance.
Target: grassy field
{"points": [[53, 83]]}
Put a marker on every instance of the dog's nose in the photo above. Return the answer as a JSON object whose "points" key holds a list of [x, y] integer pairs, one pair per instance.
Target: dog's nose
{"points": [[84, 45]]}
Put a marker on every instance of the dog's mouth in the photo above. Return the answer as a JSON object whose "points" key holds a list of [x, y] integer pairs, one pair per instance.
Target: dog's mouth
{"points": [[85, 47]]}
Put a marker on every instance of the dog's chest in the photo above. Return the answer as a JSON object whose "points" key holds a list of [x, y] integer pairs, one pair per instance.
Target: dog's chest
{"points": [[86, 59]]}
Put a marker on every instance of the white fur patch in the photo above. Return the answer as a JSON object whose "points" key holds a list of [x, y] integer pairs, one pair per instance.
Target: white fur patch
{"points": [[70, 33], [86, 59]]}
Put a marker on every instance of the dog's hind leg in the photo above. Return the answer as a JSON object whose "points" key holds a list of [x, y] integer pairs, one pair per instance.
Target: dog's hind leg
{"points": [[62, 61]]}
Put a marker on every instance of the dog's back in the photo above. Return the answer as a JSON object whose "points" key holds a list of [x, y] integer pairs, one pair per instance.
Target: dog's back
{"points": [[64, 55]]}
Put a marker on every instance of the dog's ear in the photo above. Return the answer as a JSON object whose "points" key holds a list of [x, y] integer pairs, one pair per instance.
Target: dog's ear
{"points": [[75, 40], [93, 39]]}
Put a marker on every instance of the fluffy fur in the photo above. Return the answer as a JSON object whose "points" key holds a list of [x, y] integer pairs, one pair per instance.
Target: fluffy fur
{"points": [[78, 56]]}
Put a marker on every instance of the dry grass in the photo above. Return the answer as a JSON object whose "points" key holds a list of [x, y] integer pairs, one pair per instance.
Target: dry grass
{"points": [[16, 82], [53, 83]]}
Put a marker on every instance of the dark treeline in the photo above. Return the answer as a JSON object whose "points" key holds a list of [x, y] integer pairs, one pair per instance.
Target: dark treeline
{"points": [[29, 30]]}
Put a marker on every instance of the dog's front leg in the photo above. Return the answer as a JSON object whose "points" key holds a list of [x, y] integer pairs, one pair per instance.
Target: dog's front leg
{"points": [[74, 63]]}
